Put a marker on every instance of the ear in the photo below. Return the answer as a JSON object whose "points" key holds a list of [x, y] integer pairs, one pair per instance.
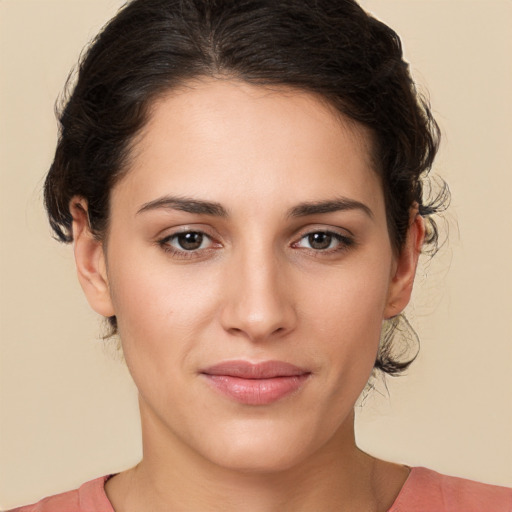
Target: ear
{"points": [[404, 270], [90, 260]]}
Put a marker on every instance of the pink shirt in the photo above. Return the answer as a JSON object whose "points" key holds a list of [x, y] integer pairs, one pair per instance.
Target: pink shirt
{"points": [[423, 491]]}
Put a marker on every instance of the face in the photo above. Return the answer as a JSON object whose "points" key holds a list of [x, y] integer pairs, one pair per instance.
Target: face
{"points": [[250, 268]]}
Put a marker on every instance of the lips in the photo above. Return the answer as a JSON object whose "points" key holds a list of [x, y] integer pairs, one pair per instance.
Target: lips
{"points": [[256, 384]]}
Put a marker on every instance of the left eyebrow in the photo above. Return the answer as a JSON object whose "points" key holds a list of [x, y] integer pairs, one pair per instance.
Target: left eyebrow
{"points": [[334, 205]]}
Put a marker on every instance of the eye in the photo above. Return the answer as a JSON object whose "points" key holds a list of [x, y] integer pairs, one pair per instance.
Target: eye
{"points": [[186, 241], [324, 241]]}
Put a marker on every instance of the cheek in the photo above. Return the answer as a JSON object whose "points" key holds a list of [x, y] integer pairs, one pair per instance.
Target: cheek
{"points": [[351, 304], [346, 319], [160, 312]]}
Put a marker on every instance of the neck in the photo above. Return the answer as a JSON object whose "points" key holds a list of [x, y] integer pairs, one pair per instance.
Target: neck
{"points": [[171, 476]]}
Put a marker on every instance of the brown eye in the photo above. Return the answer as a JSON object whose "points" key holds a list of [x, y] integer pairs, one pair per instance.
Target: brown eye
{"points": [[324, 242], [189, 241], [189, 245], [320, 241]]}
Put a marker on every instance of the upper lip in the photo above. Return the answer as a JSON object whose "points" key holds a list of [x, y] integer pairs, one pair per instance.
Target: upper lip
{"points": [[261, 370]]}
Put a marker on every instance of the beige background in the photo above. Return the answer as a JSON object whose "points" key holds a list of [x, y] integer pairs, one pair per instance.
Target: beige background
{"points": [[68, 409]]}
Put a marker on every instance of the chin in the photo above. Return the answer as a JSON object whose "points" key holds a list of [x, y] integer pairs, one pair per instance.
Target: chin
{"points": [[268, 447]]}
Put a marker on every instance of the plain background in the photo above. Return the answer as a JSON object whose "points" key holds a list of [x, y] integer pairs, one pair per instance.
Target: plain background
{"points": [[68, 408]]}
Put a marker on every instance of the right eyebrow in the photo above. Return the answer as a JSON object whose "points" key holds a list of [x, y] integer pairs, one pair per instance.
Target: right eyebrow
{"points": [[185, 204]]}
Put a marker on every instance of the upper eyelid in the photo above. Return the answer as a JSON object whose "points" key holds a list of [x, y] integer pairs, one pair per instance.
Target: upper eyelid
{"points": [[339, 231], [339, 236], [170, 232], [327, 232]]}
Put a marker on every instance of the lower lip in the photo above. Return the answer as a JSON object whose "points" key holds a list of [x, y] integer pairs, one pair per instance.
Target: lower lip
{"points": [[257, 391]]}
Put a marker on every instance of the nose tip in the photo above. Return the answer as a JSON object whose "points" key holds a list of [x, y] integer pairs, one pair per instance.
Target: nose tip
{"points": [[258, 325], [258, 305]]}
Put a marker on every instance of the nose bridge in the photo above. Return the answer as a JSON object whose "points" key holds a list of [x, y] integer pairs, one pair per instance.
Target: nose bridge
{"points": [[257, 304]]}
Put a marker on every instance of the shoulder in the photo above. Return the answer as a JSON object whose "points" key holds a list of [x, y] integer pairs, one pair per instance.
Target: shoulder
{"points": [[428, 491], [90, 497]]}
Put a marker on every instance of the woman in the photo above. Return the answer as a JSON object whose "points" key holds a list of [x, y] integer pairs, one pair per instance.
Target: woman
{"points": [[242, 182]]}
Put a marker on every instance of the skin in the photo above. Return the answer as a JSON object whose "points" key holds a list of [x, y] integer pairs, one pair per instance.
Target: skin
{"points": [[256, 290]]}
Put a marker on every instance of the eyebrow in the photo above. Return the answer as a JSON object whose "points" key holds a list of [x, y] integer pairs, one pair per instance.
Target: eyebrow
{"points": [[185, 204], [202, 207], [334, 205]]}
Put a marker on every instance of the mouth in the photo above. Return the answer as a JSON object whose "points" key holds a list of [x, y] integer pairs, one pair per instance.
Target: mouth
{"points": [[256, 383]]}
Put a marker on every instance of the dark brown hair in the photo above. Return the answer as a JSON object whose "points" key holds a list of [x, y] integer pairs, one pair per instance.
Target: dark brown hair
{"points": [[332, 48]]}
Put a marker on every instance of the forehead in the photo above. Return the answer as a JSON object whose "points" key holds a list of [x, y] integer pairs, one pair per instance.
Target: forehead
{"points": [[225, 139]]}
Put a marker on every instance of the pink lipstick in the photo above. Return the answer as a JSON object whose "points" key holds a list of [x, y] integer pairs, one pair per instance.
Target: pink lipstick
{"points": [[256, 383]]}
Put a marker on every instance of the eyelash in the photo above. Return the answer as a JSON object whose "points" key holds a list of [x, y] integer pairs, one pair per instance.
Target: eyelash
{"points": [[344, 244]]}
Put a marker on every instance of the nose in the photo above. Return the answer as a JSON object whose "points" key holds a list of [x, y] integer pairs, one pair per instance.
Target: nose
{"points": [[258, 302]]}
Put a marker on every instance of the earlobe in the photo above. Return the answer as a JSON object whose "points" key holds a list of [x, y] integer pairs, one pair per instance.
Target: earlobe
{"points": [[402, 281], [90, 260]]}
